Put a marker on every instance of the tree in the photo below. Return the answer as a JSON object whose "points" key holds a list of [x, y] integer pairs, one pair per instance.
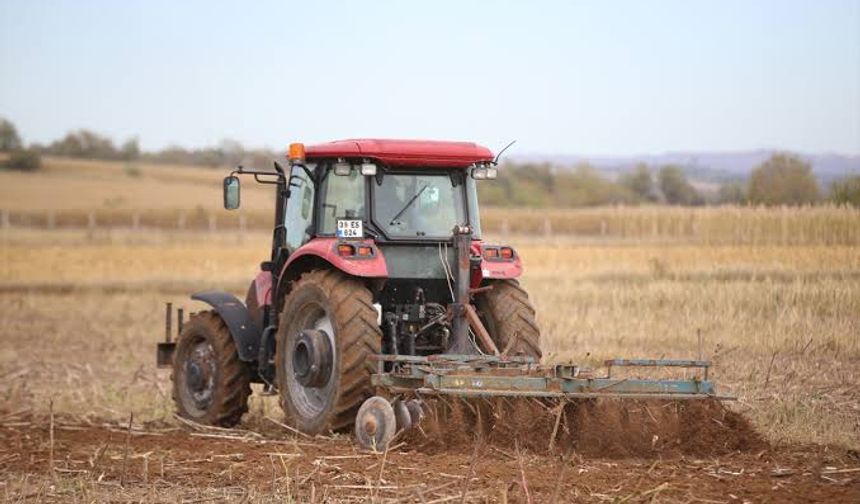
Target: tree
{"points": [[232, 152], [130, 149], [640, 182], [585, 186], [732, 192], [675, 187], [25, 160], [783, 179], [9, 139], [846, 191], [86, 144]]}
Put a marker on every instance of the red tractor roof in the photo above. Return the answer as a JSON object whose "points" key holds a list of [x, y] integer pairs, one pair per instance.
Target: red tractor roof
{"points": [[404, 152]]}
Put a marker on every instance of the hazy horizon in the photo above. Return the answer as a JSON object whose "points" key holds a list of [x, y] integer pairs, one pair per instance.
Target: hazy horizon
{"points": [[607, 79]]}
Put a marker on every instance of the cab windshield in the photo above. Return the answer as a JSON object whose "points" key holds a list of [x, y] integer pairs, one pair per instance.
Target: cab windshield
{"points": [[417, 205]]}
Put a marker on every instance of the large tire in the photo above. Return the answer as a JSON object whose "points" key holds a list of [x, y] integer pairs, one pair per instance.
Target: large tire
{"points": [[210, 384], [509, 317], [342, 307]]}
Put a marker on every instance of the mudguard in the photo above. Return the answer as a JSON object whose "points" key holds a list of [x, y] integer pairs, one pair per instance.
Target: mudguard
{"points": [[326, 249], [494, 270], [246, 334]]}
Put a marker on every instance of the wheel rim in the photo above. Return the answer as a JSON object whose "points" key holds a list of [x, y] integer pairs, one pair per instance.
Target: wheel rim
{"points": [[310, 402], [199, 370]]}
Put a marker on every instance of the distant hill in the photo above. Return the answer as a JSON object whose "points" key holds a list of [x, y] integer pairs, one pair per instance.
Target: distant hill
{"points": [[704, 166]]}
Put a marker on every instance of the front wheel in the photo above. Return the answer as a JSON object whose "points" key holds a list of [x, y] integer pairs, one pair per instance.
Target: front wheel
{"points": [[327, 334], [210, 384]]}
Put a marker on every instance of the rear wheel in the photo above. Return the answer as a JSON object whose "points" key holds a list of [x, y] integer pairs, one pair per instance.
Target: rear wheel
{"points": [[509, 317], [210, 384], [328, 332]]}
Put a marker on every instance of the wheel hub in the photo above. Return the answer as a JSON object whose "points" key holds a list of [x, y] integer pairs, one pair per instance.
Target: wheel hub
{"points": [[199, 371], [195, 377], [313, 358]]}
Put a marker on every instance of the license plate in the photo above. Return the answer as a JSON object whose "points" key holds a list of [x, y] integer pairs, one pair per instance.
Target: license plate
{"points": [[350, 229]]}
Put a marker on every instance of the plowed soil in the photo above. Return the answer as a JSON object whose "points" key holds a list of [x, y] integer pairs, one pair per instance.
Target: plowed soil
{"points": [[103, 461], [606, 428]]}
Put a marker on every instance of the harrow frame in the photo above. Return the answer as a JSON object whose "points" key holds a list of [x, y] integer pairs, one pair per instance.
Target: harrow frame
{"points": [[500, 376]]}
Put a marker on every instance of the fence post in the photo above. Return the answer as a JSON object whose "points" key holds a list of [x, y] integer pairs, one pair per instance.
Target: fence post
{"points": [[51, 220], [135, 221], [243, 223], [505, 228], [91, 220], [603, 227], [180, 222], [213, 223], [547, 227], [4, 219]]}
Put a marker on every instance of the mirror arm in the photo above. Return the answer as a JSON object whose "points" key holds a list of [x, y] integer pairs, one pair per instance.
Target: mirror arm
{"points": [[261, 181]]}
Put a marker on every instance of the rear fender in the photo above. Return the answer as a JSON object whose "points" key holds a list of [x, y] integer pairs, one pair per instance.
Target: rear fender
{"points": [[244, 330], [495, 269], [322, 253]]}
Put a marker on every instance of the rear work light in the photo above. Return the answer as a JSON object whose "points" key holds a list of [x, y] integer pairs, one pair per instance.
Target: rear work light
{"points": [[499, 253], [491, 253], [355, 251], [484, 172], [368, 168], [345, 250]]}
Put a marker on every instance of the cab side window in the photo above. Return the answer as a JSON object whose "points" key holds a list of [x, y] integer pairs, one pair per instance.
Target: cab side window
{"points": [[300, 208]]}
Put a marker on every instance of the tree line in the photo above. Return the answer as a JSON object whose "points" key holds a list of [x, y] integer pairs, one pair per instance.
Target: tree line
{"points": [[86, 144], [783, 179]]}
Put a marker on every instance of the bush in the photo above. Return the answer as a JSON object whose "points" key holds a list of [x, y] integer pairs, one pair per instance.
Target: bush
{"points": [[23, 160], [783, 179], [9, 139], [847, 191], [132, 170], [675, 187], [732, 193]]}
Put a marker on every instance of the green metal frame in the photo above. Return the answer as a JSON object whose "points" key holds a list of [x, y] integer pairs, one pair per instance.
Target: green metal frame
{"points": [[489, 376]]}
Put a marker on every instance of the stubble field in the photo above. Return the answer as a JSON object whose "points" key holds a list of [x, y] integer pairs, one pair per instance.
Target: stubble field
{"points": [[81, 311]]}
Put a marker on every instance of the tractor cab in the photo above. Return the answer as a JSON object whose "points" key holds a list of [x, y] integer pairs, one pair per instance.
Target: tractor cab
{"points": [[385, 211]]}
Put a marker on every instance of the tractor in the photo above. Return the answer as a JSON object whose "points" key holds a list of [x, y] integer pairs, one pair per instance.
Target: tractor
{"points": [[380, 293], [376, 250]]}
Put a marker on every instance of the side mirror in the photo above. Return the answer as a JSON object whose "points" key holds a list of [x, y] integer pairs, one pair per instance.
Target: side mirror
{"points": [[231, 192]]}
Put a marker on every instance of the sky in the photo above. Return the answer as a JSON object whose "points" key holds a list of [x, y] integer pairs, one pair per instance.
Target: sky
{"points": [[569, 77]]}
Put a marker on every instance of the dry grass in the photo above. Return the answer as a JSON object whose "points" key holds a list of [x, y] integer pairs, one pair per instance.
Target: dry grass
{"points": [[726, 225], [94, 306], [110, 186]]}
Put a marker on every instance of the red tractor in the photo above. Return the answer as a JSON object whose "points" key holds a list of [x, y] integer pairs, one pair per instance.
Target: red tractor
{"points": [[376, 258]]}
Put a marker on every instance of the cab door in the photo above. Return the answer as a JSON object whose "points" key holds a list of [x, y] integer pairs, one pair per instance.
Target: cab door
{"points": [[299, 217]]}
